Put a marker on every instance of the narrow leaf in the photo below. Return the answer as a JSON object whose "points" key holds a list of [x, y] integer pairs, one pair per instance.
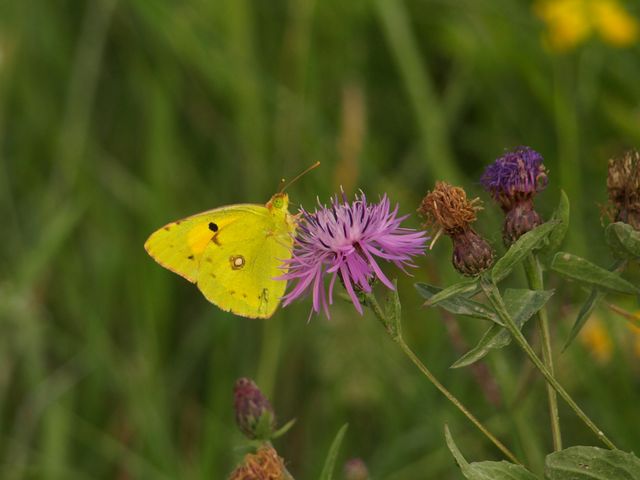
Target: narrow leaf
{"points": [[583, 271], [520, 249], [465, 287], [330, 462], [459, 305], [486, 470], [522, 305], [583, 315], [623, 240], [592, 463], [556, 236]]}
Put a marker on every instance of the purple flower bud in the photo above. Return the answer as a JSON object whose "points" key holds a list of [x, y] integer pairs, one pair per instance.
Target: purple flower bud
{"points": [[355, 469], [623, 185], [513, 180], [254, 414], [472, 254]]}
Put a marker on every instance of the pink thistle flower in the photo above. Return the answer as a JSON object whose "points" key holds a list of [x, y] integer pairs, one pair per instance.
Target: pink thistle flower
{"points": [[346, 241]]}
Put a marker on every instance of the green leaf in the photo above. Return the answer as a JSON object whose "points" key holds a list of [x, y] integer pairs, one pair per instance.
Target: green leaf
{"points": [[583, 315], [393, 311], [459, 305], [521, 305], [486, 470], [623, 240], [330, 462], [466, 287], [556, 236], [592, 463], [284, 429], [522, 247], [583, 271], [587, 307]]}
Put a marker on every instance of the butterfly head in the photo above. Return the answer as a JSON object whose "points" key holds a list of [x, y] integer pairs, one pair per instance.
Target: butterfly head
{"points": [[280, 201]]}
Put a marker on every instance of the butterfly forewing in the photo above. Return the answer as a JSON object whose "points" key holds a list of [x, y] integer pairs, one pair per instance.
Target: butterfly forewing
{"points": [[178, 246]]}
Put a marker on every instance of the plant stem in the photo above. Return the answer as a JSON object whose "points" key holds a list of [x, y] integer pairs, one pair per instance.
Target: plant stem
{"points": [[394, 330], [536, 282], [493, 294]]}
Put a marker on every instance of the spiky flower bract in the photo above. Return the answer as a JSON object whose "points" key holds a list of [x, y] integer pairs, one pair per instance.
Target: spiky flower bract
{"points": [[513, 180], [346, 241], [447, 208], [254, 414]]}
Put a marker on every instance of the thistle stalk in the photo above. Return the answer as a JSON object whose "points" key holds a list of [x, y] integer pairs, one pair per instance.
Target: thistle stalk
{"points": [[536, 282], [393, 328], [495, 298]]}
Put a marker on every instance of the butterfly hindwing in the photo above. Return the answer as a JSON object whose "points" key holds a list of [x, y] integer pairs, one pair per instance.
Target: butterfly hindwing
{"points": [[237, 271]]}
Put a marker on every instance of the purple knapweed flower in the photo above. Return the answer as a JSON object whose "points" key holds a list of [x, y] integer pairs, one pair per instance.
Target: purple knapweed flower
{"points": [[513, 180], [345, 241]]}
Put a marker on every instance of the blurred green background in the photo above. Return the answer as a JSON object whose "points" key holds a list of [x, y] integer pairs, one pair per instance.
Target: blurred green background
{"points": [[119, 116]]}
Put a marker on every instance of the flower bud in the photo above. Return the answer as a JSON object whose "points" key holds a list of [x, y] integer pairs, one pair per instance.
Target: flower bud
{"points": [[623, 185], [254, 414], [447, 208], [355, 469], [513, 180], [472, 255]]}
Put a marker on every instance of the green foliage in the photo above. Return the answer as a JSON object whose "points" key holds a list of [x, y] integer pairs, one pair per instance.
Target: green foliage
{"points": [[455, 301], [556, 237], [583, 271], [332, 455], [486, 470], [521, 305], [623, 240], [592, 463], [522, 247]]}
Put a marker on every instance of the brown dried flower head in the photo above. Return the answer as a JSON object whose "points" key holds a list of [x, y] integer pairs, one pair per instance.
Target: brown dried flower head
{"points": [[265, 464], [623, 185], [447, 207]]}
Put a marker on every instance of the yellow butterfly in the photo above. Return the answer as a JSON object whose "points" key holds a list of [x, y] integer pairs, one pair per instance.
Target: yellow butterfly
{"points": [[231, 253]]}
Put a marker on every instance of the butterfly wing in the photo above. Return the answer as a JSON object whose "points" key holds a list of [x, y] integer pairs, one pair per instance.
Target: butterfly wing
{"points": [[178, 246], [237, 271], [232, 253]]}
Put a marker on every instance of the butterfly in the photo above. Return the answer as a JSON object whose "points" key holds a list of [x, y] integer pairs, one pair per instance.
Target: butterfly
{"points": [[232, 254]]}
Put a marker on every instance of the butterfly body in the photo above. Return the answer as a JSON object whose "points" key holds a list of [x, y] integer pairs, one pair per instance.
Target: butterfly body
{"points": [[233, 254]]}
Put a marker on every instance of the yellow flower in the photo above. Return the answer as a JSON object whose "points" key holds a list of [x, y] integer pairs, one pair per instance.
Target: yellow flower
{"points": [[595, 337], [571, 22]]}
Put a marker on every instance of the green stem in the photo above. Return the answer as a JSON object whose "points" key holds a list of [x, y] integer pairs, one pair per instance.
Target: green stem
{"points": [[493, 294], [394, 330], [536, 282]]}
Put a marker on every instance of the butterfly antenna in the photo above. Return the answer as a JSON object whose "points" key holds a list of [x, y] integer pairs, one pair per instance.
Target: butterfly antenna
{"points": [[307, 170]]}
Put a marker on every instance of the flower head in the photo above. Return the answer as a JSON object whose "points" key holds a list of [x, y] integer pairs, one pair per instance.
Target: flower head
{"points": [[513, 180], [447, 208], [517, 175], [623, 185], [571, 22], [265, 464], [254, 414], [346, 241]]}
